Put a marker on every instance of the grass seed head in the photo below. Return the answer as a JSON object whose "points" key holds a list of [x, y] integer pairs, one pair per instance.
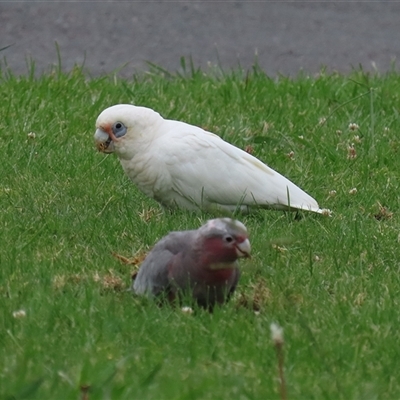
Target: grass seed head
{"points": [[19, 314], [353, 126], [276, 333], [351, 152], [353, 191], [332, 193]]}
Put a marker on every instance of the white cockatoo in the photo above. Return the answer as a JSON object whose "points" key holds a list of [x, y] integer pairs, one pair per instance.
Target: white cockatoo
{"points": [[181, 165]]}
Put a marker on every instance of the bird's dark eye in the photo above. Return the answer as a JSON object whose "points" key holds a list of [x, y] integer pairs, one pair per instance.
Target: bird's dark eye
{"points": [[228, 239], [119, 129]]}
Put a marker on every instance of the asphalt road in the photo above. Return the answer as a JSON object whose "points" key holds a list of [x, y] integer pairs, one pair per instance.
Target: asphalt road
{"points": [[285, 36]]}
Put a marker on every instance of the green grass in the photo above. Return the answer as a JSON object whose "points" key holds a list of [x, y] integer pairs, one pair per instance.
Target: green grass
{"points": [[333, 284]]}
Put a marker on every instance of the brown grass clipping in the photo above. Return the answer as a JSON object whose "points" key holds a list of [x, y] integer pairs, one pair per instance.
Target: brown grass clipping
{"points": [[254, 296]]}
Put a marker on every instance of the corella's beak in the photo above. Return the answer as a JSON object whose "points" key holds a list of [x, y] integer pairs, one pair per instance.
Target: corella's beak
{"points": [[243, 249], [104, 142]]}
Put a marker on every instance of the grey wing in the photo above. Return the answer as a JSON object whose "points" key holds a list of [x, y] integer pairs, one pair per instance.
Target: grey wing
{"points": [[152, 278]]}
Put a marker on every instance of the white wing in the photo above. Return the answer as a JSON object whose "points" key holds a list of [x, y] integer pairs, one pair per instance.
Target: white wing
{"points": [[207, 170]]}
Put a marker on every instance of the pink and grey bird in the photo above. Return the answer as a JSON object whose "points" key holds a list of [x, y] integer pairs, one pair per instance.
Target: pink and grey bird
{"points": [[201, 264], [181, 165]]}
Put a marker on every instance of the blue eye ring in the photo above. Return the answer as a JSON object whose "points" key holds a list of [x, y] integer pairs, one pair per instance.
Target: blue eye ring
{"points": [[119, 129]]}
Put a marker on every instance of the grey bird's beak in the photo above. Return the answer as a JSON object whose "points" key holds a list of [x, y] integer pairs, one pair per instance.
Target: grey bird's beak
{"points": [[243, 249], [103, 141]]}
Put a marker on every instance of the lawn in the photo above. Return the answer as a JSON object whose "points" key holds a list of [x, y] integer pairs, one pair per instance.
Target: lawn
{"points": [[70, 329]]}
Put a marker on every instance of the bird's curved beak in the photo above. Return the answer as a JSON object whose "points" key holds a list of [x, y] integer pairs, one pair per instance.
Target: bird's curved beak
{"points": [[104, 141], [243, 249]]}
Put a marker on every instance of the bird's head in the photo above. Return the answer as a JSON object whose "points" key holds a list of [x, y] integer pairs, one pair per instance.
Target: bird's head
{"points": [[120, 125], [224, 241]]}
